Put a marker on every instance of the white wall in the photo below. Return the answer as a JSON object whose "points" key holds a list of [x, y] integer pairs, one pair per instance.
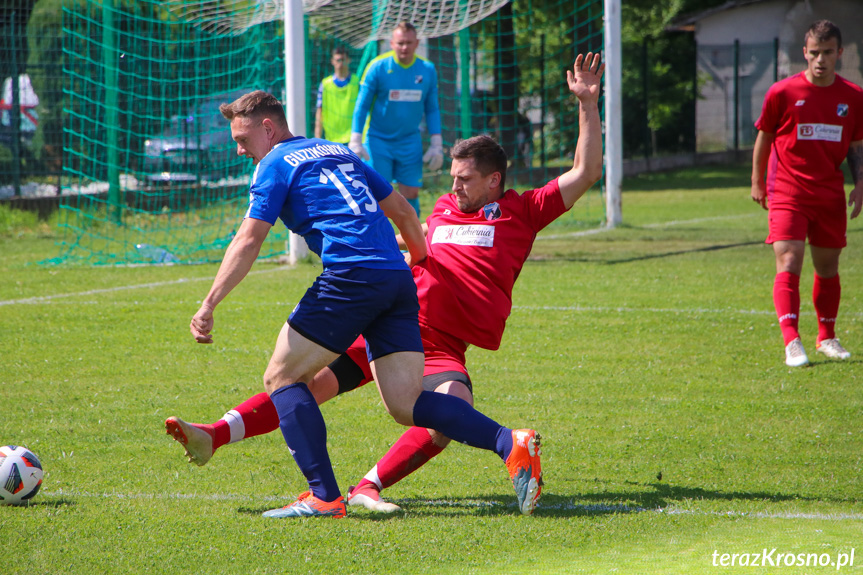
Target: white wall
{"points": [[755, 24], [750, 24]]}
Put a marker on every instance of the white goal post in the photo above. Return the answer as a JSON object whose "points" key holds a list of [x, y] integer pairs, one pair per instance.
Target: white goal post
{"points": [[613, 115], [372, 21]]}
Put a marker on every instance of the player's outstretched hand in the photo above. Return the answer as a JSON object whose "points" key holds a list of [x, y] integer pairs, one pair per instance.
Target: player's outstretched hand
{"points": [[356, 146], [586, 76], [202, 325]]}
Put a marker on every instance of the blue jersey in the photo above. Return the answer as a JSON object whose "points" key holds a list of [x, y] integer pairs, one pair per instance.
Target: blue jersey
{"points": [[397, 96], [326, 194]]}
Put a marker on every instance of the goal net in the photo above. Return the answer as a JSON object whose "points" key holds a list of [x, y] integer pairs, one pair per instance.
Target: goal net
{"points": [[150, 171]]}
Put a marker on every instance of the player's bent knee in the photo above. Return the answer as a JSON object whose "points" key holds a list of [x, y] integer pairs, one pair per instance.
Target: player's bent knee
{"points": [[275, 380], [401, 415]]}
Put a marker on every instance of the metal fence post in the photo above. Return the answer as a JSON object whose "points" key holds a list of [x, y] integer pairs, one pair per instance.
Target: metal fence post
{"points": [[775, 60], [645, 86], [736, 94], [15, 111]]}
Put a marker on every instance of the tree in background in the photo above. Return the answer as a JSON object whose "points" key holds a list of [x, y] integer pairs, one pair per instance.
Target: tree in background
{"points": [[14, 15], [658, 76]]}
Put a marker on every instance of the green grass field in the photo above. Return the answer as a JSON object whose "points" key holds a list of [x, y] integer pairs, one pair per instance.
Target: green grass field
{"points": [[648, 356]]}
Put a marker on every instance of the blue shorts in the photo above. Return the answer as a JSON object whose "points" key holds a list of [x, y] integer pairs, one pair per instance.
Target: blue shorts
{"points": [[400, 162], [342, 304]]}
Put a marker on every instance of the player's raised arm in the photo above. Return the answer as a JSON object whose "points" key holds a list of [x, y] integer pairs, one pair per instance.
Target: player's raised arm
{"points": [[584, 81]]}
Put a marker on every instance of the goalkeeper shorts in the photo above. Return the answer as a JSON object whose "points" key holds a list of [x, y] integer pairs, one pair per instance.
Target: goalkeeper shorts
{"points": [[400, 161]]}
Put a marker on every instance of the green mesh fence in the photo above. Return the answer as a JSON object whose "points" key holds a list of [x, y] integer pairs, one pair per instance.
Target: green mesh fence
{"points": [[150, 171]]}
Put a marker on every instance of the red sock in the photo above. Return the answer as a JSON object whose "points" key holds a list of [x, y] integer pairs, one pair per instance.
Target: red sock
{"points": [[255, 416], [825, 295], [413, 449], [786, 298]]}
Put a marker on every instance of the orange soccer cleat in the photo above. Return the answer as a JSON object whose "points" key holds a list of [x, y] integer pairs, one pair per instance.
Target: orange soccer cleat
{"points": [[525, 469]]}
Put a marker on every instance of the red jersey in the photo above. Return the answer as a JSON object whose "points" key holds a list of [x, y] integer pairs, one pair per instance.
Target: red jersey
{"points": [[465, 284], [814, 126]]}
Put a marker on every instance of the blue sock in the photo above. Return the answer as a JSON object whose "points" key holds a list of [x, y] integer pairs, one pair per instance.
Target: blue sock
{"points": [[415, 203], [305, 433], [455, 418]]}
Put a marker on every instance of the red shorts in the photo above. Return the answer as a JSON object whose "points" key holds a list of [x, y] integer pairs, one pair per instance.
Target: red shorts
{"points": [[443, 352], [825, 226]]}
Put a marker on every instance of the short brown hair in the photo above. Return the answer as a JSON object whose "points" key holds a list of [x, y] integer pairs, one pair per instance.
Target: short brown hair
{"points": [[488, 156], [823, 30], [405, 26], [256, 105]]}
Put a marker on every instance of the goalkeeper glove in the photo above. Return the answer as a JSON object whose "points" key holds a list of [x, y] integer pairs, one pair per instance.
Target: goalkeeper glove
{"points": [[434, 155], [356, 145]]}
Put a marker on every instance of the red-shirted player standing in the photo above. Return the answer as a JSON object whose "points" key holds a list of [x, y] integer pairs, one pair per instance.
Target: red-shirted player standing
{"points": [[478, 239], [810, 122]]}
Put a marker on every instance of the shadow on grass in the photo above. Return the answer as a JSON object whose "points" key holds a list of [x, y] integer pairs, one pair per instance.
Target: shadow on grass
{"points": [[694, 178], [450, 507], [640, 498], [652, 497], [634, 498], [352, 512], [819, 360], [712, 248], [42, 503], [643, 257]]}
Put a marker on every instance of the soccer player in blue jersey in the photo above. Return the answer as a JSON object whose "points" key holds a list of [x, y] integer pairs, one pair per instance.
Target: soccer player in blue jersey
{"points": [[326, 194], [398, 88]]}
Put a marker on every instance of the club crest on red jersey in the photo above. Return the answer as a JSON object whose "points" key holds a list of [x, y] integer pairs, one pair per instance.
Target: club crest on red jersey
{"points": [[491, 211], [842, 110]]}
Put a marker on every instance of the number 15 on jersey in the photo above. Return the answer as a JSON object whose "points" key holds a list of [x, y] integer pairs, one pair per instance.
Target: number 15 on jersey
{"points": [[344, 170]]}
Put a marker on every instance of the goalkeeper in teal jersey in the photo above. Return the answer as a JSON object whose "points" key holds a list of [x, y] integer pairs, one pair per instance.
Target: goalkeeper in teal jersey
{"points": [[398, 88]]}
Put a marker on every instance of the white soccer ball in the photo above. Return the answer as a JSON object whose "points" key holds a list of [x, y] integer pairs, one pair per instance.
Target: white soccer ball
{"points": [[20, 475]]}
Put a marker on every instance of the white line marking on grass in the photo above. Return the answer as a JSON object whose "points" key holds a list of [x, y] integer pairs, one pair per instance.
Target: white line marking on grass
{"points": [[701, 220], [557, 308], [685, 311], [597, 309], [623, 509], [767, 515], [49, 298], [651, 226], [471, 503], [574, 234], [167, 496]]}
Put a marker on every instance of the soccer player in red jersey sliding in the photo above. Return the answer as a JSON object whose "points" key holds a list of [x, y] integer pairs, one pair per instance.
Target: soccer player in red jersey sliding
{"points": [[478, 238], [809, 123]]}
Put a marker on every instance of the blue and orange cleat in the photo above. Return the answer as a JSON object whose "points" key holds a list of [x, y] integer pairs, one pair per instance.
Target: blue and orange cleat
{"points": [[525, 469], [307, 505]]}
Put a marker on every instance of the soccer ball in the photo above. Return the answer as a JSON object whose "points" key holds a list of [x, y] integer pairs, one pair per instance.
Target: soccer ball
{"points": [[20, 475]]}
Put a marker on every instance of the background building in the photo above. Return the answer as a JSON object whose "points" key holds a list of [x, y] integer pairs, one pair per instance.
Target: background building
{"points": [[744, 46]]}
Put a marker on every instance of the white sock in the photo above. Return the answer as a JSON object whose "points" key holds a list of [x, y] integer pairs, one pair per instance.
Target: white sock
{"points": [[235, 422], [373, 477]]}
